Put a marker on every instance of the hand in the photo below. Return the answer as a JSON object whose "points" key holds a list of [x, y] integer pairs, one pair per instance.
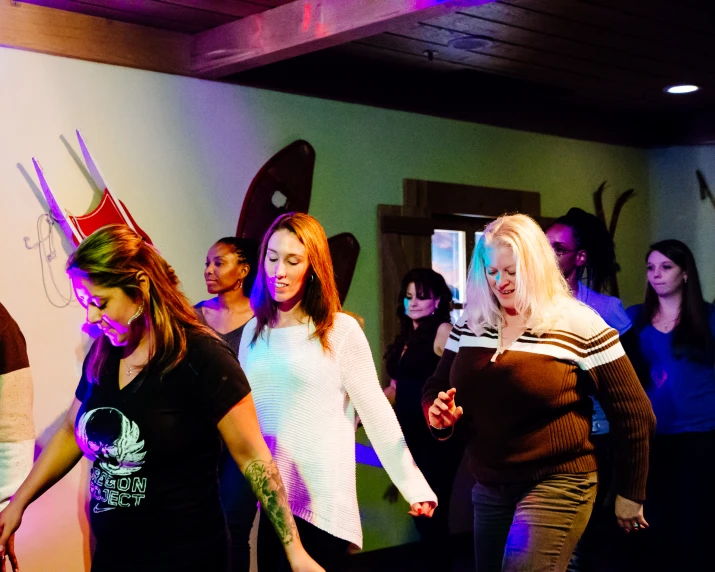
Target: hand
{"points": [[443, 412], [10, 520], [300, 561], [390, 392], [10, 549], [425, 509], [629, 514]]}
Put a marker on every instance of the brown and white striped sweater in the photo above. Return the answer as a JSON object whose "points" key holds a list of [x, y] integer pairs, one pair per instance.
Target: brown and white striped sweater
{"points": [[17, 431], [527, 414]]}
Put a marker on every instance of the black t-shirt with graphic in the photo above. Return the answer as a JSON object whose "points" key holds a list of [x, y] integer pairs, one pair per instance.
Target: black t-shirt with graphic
{"points": [[155, 446]]}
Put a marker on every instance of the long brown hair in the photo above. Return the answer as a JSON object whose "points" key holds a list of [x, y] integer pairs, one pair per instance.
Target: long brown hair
{"points": [[320, 299], [692, 338], [112, 257]]}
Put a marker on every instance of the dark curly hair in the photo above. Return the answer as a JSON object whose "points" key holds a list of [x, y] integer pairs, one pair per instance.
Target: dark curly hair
{"points": [[247, 251]]}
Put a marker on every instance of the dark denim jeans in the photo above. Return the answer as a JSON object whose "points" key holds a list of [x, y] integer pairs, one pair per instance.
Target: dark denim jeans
{"points": [[531, 527], [240, 507], [602, 540]]}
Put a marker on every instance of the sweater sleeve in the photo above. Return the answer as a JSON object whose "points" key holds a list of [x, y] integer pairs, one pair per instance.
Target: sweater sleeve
{"points": [[627, 407], [17, 431], [359, 377], [439, 380]]}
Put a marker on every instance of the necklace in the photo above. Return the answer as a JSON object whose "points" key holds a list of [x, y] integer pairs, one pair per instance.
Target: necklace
{"points": [[132, 368], [666, 326]]}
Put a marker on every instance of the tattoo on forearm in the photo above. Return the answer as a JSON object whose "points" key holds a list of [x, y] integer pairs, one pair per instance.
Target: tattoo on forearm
{"points": [[266, 482]]}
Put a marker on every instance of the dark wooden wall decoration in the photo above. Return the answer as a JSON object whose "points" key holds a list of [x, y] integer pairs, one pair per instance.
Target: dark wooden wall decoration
{"points": [[622, 199], [344, 252], [405, 231], [705, 192], [284, 184]]}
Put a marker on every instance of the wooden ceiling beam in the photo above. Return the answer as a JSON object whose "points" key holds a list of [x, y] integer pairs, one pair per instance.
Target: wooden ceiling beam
{"points": [[302, 27], [62, 33]]}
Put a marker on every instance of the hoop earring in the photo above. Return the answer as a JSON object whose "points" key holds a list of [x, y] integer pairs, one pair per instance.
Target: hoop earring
{"points": [[312, 278], [685, 279], [136, 314]]}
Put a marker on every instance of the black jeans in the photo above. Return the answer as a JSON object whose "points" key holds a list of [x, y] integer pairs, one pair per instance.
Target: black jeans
{"points": [[597, 548], [679, 505], [531, 527], [240, 506]]}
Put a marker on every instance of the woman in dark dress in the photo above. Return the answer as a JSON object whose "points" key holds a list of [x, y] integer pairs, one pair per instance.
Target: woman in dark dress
{"points": [[423, 311], [231, 266]]}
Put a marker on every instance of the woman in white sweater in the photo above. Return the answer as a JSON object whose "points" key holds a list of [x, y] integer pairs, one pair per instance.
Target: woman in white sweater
{"points": [[310, 368]]}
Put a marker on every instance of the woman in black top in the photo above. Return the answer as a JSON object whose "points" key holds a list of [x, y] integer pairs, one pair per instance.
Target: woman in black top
{"points": [[424, 313], [231, 266], [158, 393], [230, 271]]}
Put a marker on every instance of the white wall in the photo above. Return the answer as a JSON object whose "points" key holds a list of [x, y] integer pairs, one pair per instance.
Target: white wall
{"points": [[180, 153]]}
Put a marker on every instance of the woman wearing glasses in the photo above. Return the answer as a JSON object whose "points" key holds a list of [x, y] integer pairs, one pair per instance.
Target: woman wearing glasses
{"points": [[586, 257]]}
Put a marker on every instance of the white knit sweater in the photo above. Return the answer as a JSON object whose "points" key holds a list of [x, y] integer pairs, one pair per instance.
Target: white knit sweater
{"points": [[304, 398]]}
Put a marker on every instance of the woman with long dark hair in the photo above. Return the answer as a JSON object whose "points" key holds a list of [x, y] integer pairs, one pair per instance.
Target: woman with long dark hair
{"points": [[310, 368], [425, 302], [231, 265], [676, 330], [158, 392]]}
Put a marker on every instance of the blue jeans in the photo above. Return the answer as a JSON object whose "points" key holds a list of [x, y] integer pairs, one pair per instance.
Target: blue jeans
{"points": [[531, 527]]}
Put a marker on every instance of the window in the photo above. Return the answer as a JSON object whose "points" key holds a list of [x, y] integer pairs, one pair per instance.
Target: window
{"points": [[449, 258]]}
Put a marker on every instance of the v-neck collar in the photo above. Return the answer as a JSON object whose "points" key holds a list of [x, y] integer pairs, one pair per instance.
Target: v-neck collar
{"points": [[501, 348]]}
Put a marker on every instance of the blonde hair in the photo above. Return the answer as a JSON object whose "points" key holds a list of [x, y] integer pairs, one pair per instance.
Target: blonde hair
{"points": [[541, 291]]}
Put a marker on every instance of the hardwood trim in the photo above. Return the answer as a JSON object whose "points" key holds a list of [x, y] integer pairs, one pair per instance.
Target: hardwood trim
{"points": [[302, 27], [451, 198], [419, 226], [67, 34], [237, 8]]}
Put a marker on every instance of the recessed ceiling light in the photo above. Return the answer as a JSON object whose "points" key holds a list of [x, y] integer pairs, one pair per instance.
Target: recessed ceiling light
{"points": [[471, 43], [685, 88]]}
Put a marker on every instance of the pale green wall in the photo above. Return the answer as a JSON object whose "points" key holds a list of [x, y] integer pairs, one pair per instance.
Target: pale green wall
{"points": [[181, 152], [368, 154]]}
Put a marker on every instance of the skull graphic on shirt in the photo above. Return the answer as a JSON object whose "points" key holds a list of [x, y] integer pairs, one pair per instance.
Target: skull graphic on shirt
{"points": [[107, 435]]}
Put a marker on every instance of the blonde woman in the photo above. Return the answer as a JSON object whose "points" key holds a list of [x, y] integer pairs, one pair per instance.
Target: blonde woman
{"points": [[517, 371]]}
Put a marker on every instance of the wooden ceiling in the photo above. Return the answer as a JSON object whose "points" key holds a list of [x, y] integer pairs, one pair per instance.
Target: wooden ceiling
{"points": [[187, 16], [592, 69], [616, 51]]}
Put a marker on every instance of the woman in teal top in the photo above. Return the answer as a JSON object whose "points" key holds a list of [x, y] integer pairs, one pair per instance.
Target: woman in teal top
{"points": [[676, 333]]}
